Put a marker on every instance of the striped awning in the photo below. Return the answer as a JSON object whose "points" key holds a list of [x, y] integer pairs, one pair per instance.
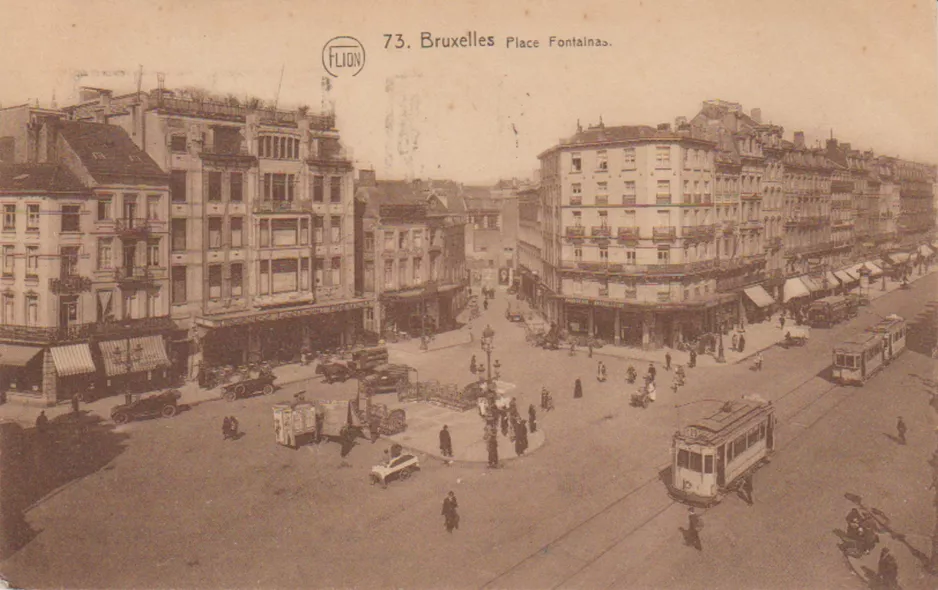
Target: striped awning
{"points": [[74, 359], [925, 250], [793, 289], [845, 277], [15, 355], [810, 283], [759, 296], [133, 355], [832, 281], [875, 270]]}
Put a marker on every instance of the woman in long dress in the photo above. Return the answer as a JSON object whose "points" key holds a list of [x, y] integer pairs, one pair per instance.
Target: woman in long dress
{"points": [[577, 389]]}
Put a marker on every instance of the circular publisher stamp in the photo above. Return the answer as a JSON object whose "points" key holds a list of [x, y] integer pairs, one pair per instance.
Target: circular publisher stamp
{"points": [[343, 56]]}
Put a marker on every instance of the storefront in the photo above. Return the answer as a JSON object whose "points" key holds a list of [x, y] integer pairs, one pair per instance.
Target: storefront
{"points": [[74, 368], [758, 304], [21, 371], [135, 364]]}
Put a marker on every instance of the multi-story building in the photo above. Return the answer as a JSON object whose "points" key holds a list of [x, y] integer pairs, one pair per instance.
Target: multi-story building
{"points": [[491, 231], [413, 258], [85, 259], [531, 247], [261, 224]]}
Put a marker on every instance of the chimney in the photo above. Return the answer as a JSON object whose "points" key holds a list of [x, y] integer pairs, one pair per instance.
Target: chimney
{"points": [[846, 146], [757, 116], [680, 122], [367, 178], [664, 127], [799, 139], [831, 144]]}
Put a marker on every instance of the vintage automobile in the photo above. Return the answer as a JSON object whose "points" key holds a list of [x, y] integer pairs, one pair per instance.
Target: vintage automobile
{"points": [[514, 315], [333, 370], [401, 467], [252, 381], [387, 378], [161, 404]]}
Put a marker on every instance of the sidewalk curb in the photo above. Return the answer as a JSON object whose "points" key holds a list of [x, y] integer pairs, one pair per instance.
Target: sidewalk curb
{"points": [[465, 461]]}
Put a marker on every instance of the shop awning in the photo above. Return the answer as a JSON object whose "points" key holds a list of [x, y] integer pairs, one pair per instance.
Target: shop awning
{"points": [[133, 355], [810, 284], [759, 296], [793, 289], [875, 270], [899, 257], [74, 359], [15, 355], [832, 281], [925, 250], [845, 277]]}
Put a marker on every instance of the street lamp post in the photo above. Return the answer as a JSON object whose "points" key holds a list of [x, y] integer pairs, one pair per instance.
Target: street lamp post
{"points": [[126, 358], [720, 319], [491, 414]]}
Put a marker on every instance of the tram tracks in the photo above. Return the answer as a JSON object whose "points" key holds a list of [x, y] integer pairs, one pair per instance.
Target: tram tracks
{"points": [[655, 480]]}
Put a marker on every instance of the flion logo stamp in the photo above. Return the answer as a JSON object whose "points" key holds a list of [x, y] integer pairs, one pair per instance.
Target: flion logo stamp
{"points": [[343, 56]]}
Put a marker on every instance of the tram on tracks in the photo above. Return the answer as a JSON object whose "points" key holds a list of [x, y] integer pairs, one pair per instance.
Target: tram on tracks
{"points": [[856, 361], [711, 457], [893, 330]]}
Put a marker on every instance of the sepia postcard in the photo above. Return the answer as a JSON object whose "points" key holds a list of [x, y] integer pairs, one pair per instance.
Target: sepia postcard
{"points": [[471, 294]]}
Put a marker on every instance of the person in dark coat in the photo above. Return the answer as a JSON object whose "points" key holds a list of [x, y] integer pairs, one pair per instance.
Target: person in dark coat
{"points": [[694, 524], [543, 398], [734, 342], [446, 443], [485, 304], [577, 389], [652, 372], [450, 515], [226, 428], [75, 402], [693, 359], [42, 422], [472, 365], [504, 421], [492, 446], [521, 437], [901, 430], [742, 343], [747, 488], [532, 417], [888, 569], [233, 426], [781, 321], [667, 361]]}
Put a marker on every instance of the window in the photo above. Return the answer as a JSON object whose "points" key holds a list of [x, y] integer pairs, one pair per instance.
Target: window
{"points": [[214, 232], [153, 303], [663, 156], [214, 281], [318, 182], [369, 241], [604, 254], [602, 193], [577, 219], [336, 229], [389, 240], [237, 279], [604, 219], [236, 187], [578, 286], [32, 261], [279, 187], [71, 218], [235, 229], [153, 207], [576, 189], [602, 160], [177, 186], [68, 261], [576, 163], [105, 253], [285, 274], [177, 143], [264, 274], [153, 252], [664, 191], [32, 217], [388, 274], [336, 271], [664, 255], [402, 239], [304, 230], [630, 256], [278, 147], [628, 158], [9, 218], [578, 254], [214, 186], [628, 196], [418, 238], [335, 189], [178, 230], [418, 264], [304, 274], [32, 310], [318, 230], [284, 232], [9, 308]]}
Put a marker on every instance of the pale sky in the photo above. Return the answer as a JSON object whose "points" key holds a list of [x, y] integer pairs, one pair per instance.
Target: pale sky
{"points": [[866, 68]]}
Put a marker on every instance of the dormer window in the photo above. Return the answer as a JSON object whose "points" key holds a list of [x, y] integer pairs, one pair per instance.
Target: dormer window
{"points": [[97, 155], [134, 158]]}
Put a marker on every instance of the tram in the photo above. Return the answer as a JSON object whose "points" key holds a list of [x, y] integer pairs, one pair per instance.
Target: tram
{"points": [[710, 457], [858, 360], [826, 312], [893, 330]]}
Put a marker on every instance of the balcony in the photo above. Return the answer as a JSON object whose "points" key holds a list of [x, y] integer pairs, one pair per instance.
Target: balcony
{"points": [[602, 200], [640, 269], [665, 233], [132, 227], [751, 224], [69, 285], [576, 200], [336, 162], [575, 231], [601, 231], [750, 196], [662, 199], [133, 276], [297, 206], [83, 332], [698, 233], [629, 234], [227, 155], [729, 227], [217, 110], [773, 243]]}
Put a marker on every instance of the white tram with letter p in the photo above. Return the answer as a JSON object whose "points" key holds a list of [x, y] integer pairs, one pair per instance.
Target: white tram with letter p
{"points": [[710, 457]]}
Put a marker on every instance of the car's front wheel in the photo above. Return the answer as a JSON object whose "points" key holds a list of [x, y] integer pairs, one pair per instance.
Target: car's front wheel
{"points": [[121, 418], [268, 389], [168, 411], [405, 475]]}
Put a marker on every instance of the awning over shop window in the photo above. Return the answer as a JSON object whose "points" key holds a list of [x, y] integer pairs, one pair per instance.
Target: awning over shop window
{"points": [[793, 289], [832, 281], [146, 353], [925, 250], [875, 270], [899, 257], [759, 296], [810, 284], [14, 355], [845, 277], [74, 359]]}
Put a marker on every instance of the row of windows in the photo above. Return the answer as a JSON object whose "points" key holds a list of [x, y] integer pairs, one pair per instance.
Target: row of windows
{"points": [[745, 441], [631, 290], [30, 309], [403, 278], [274, 187], [105, 207], [10, 216], [278, 147], [694, 461], [696, 158], [271, 232]]}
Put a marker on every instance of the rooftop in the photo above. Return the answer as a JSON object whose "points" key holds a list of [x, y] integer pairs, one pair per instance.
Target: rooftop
{"points": [[38, 177], [109, 154]]}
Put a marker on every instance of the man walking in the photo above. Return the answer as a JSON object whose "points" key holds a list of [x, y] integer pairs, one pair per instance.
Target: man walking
{"points": [[694, 524], [226, 428], [901, 429], [735, 341], [693, 359], [446, 443], [75, 401], [747, 488], [42, 422], [450, 516], [888, 569], [742, 343], [532, 417], [781, 321], [667, 361]]}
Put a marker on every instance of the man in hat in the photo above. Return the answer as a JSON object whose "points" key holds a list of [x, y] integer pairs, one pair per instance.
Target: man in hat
{"points": [[446, 443], [901, 429], [450, 516], [694, 524]]}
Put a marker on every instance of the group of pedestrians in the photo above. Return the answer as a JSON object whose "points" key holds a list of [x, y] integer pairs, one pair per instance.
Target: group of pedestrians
{"points": [[229, 428]]}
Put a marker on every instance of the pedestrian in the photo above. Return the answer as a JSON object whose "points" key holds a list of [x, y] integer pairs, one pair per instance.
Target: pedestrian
{"points": [[532, 418], [234, 427], [544, 398], [226, 428], [600, 372], [493, 451], [747, 488], [521, 437], [485, 304], [75, 401], [589, 348], [472, 364], [901, 429], [781, 321], [694, 524], [888, 569], [577, 389], [759, 360], [504, 421], [513, 409], [42, 422], [693, 359], [667, 361], [446, 442], [450, 515], [652, 372], [572, 348], [735, 341], [742, 343]]}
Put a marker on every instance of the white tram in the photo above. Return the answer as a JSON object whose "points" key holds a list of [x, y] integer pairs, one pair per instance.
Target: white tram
{"points": [[710, 457], [893, 330], [857, 360]]}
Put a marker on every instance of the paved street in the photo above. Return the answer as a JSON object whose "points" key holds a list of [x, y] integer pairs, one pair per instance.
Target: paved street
{"points": [[173, 505]]}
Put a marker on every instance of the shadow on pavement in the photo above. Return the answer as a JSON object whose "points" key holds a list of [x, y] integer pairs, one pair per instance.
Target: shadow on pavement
{"points": [[38, 464]]}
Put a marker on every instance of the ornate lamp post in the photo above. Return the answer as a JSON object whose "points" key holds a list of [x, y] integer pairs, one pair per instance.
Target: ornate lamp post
{"points": [[127, 358], [491, 414], [720, 320]]}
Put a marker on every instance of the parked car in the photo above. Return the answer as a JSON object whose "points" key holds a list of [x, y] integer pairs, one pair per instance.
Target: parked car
{"points": [[252, 381], [332, 371], [401, 467], [387, 378], [161, 404]]}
